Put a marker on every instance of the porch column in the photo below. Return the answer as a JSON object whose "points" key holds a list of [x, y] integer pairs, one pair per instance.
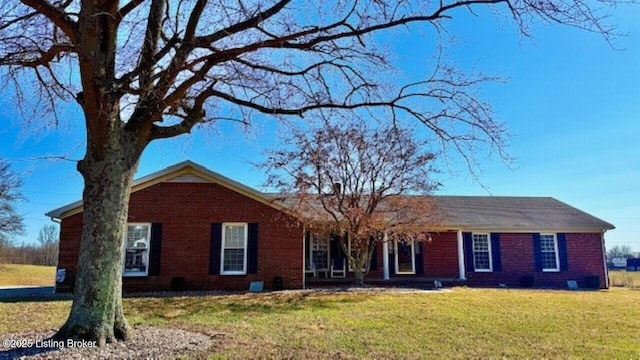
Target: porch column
{"points": [[385, 257], [461, 269]]}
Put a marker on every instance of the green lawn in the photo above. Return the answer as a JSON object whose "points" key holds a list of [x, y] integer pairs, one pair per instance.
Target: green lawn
{"points": [[26, 275], [462, 323]]}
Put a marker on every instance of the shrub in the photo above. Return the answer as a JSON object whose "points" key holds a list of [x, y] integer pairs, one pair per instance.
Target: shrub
{"points": [[178, 284], [527, 281], [278, 283], [592, 282]]}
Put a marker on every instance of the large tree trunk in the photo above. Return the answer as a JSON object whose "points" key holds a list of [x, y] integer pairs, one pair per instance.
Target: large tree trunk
{"points": [[96, 313]]}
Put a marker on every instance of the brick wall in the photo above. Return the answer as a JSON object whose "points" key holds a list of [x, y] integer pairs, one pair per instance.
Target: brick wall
{"points": [[186, 211], [584, 257], [441, 255]]}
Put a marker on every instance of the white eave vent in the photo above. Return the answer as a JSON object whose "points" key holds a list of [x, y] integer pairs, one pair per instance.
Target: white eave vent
{"points": [[188, 178]]}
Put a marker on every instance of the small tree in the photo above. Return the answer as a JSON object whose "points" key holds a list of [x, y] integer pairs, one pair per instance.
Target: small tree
{"points": [[11, 223], [351, 180], [49, 241]]}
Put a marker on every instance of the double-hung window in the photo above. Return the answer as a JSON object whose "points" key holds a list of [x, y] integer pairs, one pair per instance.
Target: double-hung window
{"points": [[320, 252], [136, 244], [549, 252], [481, 252], [234, 249]]}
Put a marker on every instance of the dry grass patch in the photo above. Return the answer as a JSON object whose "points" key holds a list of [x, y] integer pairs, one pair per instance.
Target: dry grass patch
{"points": [[622, 278], [26, 275], [464, 323]]}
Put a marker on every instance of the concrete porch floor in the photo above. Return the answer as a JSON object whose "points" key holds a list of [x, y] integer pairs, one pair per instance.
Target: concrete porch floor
{"points": [[416, 282]]}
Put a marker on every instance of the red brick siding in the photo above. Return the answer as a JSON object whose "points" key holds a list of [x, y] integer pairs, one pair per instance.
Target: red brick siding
{"points": [[441, 255], [584, 257], [186, 211], [70, 232]]}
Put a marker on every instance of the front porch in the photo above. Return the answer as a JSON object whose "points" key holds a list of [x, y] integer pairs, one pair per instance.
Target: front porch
{"points": [[392, 263], [413, 282]]}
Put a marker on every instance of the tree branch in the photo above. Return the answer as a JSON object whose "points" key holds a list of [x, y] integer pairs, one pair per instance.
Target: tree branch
{"points": [[195, 114], [45, 59], [57, 16], [204, 41], [150, 45], [127, 8]]}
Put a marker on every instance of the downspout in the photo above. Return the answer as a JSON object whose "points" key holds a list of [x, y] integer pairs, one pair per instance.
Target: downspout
{"points": [[461, 269], [604, 261], [385, 257]]}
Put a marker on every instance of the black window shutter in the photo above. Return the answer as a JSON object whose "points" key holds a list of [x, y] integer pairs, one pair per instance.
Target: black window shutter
{"points": [[215, 248], [537, 252], [252, 249], [419, 258], [495, 252], [562, 251], [468, 251], [307, 249], [334, 247], [392, 258], [155, 249], [374, 257]]}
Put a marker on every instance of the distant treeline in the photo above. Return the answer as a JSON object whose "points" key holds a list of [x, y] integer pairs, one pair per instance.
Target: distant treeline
{"points": [[43, 252], [34, 254]]}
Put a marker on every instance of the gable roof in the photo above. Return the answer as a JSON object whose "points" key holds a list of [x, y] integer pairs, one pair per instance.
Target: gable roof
{"points": [[500, 213], [187, 170]]}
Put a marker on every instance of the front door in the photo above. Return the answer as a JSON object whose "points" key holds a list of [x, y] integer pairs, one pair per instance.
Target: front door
{"points": [[405, 258]]}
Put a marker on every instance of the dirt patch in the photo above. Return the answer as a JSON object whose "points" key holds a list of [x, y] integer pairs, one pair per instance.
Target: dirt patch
{"points": [[147, 342]]}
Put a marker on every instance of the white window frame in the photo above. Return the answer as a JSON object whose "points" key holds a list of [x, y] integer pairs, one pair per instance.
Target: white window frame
{"points": [[488, 235], [313, 243], [555, 249], [222, 247], [413, 258], [124, 249]]}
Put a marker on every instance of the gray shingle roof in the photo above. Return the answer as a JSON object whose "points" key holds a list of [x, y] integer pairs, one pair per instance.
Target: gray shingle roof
{"points": [[513, 213], [458, 212], [516, 213]]}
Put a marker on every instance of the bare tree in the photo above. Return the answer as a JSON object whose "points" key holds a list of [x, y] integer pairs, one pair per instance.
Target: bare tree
{"points": [[11, 223], [49, 241], [143, 70], [354, 181], [620, 251]]}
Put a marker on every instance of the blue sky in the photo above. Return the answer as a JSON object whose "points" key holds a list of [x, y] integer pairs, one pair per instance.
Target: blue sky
{"points": [[572, 103]]}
